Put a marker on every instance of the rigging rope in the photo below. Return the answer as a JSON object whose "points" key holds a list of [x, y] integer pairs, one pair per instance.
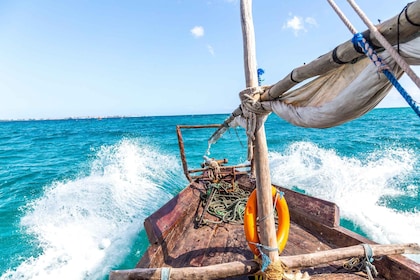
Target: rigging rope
{"points": [[359, 40], [400, 61], [368, 50]]}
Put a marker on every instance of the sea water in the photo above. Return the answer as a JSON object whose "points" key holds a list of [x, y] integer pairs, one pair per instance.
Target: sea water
{"points": [[74, 193]]}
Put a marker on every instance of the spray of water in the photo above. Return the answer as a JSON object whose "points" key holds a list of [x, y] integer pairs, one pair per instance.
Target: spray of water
{"points": [[358, 187], [85, 226]]}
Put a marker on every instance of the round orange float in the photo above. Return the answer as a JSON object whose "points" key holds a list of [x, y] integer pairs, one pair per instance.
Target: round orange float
{"points": [[250, 221]]}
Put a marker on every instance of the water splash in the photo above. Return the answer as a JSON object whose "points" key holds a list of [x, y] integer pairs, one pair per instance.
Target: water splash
{"points": [[85, 226], [361, 188]]}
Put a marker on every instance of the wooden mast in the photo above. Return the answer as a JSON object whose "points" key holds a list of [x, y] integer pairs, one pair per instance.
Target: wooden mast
{"points": [[396, 30], [262, 170]]}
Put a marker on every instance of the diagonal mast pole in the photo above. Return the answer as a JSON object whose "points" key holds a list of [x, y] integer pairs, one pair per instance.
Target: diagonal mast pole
{"points": [[374, 30], [344, 52], [262, 169]]}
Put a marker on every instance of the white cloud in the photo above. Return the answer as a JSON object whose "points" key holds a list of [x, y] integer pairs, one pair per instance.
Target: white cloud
{"points": [[298, 24], [197, 31]]}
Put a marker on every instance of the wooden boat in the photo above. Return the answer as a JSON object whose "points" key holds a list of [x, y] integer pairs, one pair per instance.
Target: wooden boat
{"points": [[180, 239], [188, 241]]}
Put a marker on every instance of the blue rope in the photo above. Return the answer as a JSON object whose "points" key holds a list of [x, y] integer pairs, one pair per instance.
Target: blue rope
{"points": [[370, 52], [260, 72], [264, 258], [265, 261], [165, 273], [367, 262], [413, 104], [368, 252]]}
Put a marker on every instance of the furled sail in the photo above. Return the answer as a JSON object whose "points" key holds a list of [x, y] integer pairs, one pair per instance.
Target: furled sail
{"points": [[346, 84], [340, 95]]}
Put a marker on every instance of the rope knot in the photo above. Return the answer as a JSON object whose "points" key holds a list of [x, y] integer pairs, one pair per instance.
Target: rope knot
{"points": [[250, 100], [251, 110], [214, 168], [363, 264], [364, 44], [278, 270]]}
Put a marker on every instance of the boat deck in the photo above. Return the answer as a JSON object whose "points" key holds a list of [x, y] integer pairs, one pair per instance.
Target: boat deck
{"points": [[177, 242]]}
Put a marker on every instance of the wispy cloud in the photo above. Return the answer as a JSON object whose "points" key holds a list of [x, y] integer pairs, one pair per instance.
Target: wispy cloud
{"points": [[299, 24], [197, 31], [311, 21], [210, 49]]}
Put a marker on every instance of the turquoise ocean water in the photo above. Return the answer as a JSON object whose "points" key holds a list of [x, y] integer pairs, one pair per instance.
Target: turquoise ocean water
{"points": [[74, 193]]}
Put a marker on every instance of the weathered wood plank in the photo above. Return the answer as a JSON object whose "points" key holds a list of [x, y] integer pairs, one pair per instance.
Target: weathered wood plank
{"points": [[313, 259], [160, 223], [179, 244], [312, 208], [398, 267], [226, 270]]}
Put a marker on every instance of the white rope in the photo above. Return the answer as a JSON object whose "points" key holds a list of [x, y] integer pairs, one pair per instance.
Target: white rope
{"points": [[400, 61], [251, 110], [343, 17]]}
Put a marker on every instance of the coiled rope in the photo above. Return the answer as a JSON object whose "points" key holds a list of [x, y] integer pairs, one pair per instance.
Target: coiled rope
{"points": [[226, 202]]}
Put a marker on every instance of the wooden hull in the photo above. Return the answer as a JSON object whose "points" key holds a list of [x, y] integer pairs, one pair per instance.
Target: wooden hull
{"points": [[176, 242], [180, 245]]}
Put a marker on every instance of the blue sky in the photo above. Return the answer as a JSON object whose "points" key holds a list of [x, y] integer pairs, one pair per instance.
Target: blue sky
{"points": [[94, 58]]}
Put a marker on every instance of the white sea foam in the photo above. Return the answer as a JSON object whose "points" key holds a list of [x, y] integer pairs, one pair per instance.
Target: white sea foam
{"points": [[87, 225], [358, 187]]}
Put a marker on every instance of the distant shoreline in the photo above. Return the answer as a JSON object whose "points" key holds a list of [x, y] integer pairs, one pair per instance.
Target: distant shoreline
{"points": [[134, 116]]}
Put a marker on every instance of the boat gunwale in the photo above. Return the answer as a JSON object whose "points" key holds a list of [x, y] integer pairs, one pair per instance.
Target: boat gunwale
{"points": [[319, 217]]}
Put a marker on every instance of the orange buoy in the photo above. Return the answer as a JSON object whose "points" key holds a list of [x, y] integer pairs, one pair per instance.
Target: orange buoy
{"points": [[250, 221]]}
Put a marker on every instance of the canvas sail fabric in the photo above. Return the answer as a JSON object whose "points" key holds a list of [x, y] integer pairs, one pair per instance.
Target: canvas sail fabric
{"points": [[340, 95]]}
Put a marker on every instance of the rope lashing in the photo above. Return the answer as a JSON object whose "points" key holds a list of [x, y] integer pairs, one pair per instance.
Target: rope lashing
{"points": [[265, 247], [251, 109], [369, 267], [265, 261], [278, 270], [398, 25], [279, 195], [361, 41], [370, 52], [364, 264], [165, 273], [260, 72], [394, 54], [368, 252], [214, 168]]}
